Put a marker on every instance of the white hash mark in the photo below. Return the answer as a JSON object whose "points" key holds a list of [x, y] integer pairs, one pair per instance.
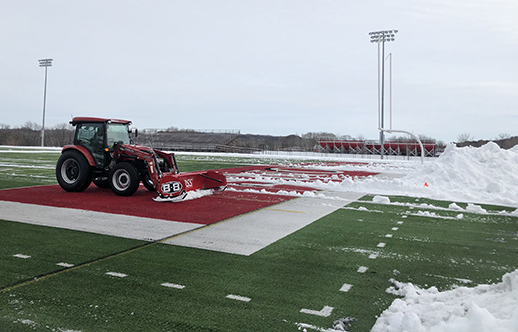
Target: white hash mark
{"points": [[363, 269], [238, 298], [117, 274], [345, 288], [325, 312], [22, 256], [65, 264], [166, 284]]}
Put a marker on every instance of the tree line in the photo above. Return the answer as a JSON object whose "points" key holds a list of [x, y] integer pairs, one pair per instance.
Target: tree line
{"points": [[62, 134], [30, 135]]}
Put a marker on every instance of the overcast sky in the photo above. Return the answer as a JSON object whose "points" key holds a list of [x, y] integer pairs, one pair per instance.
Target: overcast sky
{"points": [[274, 67]]}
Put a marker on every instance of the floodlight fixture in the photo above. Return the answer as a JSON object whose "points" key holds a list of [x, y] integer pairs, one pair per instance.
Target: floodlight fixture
{"points": [[44, 63]]}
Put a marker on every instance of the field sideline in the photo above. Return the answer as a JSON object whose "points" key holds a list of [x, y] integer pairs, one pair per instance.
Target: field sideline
{"points": [[55, 279]]}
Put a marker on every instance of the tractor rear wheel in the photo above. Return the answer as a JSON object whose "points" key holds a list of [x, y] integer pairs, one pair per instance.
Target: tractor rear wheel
{"points": [[73, 171], [124, 179]]}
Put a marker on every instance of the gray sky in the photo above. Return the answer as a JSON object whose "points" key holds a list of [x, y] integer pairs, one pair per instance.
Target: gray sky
{"points": [[263, 66]]}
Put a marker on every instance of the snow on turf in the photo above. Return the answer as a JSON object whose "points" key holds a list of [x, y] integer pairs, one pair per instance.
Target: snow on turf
{"points": [[483, 175], [487, 175], [482, 308]]}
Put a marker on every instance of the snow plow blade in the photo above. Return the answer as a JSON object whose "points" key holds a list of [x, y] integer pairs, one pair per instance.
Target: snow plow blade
{"points": [[176, 186]]}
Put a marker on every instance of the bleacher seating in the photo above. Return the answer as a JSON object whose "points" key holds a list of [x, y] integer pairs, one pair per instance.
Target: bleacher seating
{"points": [[398, 148]]}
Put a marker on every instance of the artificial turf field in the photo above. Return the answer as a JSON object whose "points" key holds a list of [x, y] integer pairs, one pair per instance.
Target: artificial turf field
{"points": [[305, 270]]}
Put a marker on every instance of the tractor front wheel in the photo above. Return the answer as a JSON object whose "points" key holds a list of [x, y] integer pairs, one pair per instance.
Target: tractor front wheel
{"points": [[147, 182], [124, 179], [73, 171]]}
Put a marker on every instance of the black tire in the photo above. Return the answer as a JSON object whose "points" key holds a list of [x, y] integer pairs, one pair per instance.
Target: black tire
{"points": [[146, 181], [73, 172], [124, 179]]}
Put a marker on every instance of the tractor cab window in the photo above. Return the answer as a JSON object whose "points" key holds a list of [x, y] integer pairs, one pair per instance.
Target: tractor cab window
{"points": [[91, 136], [117, 132]]}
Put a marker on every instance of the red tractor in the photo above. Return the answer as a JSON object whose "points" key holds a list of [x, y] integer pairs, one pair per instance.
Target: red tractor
{"points": [[104, 153]]}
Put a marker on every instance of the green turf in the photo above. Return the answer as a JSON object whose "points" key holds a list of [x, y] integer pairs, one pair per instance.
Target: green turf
{"points": [[48, 246], [22, 168], [302, 271]]}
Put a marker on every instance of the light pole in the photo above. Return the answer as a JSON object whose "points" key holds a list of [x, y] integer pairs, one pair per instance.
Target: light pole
{"points": [[44, 63], [381, 37]]}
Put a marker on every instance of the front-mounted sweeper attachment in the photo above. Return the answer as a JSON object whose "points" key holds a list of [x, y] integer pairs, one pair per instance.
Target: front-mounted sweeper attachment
{"points": [[174, 187]]}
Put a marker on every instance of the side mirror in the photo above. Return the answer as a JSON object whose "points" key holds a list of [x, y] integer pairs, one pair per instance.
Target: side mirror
{"points": [[133, 131]]}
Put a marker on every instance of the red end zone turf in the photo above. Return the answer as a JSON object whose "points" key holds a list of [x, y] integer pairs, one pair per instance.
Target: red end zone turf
{"points": [[205, 210], [243, 196]]}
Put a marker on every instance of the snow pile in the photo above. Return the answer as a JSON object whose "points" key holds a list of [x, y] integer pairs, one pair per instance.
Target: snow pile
{"points": [[485, 308], [381, 200], [484, 175]]}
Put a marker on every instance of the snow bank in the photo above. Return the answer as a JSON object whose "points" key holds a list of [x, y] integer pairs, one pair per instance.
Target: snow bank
{"points": [[484, 175], [485, 308]]}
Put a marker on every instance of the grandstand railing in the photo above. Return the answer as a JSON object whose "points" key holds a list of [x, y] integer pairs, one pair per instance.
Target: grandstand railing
{"points": [[398, 148]]}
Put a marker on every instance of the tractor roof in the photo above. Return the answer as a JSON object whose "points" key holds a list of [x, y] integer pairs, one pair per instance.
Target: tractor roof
{"points": [[82, 119]]}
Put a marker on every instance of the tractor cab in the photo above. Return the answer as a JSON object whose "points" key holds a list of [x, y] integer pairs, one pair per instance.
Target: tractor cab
{"points": [[98, 135]]}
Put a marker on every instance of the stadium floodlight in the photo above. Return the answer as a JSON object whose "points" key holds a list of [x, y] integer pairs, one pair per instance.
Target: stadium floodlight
{"points": [[380, 37], [44, 63]]}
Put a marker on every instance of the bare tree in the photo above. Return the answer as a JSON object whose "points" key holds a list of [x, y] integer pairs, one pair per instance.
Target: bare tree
{"points": [[503, 136], [464, 137], [60, 135], [31, 125]]}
